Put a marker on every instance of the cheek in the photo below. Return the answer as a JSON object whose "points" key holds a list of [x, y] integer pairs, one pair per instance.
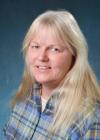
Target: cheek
{"points": [[29, 58], [29, 64], [65, 63]]}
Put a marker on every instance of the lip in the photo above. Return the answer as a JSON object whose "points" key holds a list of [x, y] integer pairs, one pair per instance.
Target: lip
{"points": [[43, 67]]}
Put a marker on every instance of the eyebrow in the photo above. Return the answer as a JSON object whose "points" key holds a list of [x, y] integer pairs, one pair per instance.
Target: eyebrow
{"points": [[45, 45]]}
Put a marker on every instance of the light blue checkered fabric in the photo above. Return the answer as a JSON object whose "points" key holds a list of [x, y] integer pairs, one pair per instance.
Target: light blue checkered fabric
{"points": [[27, 122]]}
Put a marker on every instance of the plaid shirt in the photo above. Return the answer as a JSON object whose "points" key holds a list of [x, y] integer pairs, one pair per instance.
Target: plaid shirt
{"points": [[27, 122]]}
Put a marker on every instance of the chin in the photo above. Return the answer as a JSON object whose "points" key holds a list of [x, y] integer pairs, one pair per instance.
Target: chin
{"points": [[43, 81]]}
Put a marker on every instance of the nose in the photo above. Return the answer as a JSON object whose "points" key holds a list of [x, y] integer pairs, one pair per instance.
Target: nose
{"points": [[43, 55]]}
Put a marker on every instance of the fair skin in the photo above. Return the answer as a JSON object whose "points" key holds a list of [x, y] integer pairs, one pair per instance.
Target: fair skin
{"points": [[48, 61]]}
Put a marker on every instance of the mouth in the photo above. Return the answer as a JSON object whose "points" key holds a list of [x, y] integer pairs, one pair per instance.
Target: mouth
{"points": [[43, 67]]}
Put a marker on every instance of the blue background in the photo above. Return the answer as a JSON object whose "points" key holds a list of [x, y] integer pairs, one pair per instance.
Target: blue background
{"points": [[15, 18]]}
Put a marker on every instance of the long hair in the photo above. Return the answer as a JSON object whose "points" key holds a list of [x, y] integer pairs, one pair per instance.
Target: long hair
{"points": [[80, 90]]}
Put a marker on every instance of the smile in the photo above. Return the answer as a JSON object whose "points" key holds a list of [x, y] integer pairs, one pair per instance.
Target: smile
{"points": [[43, 67]]}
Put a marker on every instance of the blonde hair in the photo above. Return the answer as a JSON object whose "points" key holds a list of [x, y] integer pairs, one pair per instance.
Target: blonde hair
{"points": [[80, 83]]}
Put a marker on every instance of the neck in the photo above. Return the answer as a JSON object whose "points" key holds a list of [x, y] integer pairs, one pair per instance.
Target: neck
{"points": [[46, 91]]}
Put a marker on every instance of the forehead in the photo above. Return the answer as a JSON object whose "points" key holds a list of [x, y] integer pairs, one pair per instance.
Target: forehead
{"points": [[45, 34]]}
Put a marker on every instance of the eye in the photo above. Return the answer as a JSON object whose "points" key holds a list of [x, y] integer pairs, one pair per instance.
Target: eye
{"points": [[35, 46], [55, 49]]}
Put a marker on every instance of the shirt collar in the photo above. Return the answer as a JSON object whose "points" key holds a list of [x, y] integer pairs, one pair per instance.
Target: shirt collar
{"points": [[52, 101]]}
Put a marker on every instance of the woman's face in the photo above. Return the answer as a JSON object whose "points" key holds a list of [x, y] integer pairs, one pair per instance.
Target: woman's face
{"points": [[47, 59]]}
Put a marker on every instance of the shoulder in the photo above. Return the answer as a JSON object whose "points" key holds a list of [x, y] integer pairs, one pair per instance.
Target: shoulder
{"points": [[18, 118], [93, 130], [91, 127], [95, 117], [87, 127]]}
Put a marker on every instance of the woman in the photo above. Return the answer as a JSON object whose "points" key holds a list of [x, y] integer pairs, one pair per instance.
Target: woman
{"points": [[58, 98]]}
